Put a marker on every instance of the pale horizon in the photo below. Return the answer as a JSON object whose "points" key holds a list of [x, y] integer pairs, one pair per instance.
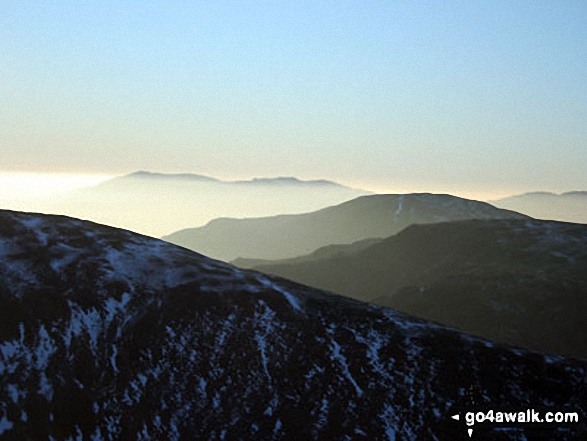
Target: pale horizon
{"points": [[28, 185], [480, 99]]}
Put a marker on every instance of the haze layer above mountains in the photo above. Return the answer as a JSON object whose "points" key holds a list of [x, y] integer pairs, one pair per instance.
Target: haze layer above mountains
{"points": [[160, 204], [568, 207], [156, 204]]}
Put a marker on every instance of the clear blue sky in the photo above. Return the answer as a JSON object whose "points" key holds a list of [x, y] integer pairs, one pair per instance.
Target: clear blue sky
{"points": [[463, 96]]}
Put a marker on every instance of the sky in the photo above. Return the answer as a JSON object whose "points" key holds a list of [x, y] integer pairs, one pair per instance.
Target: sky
{"points": [[468, 97]]}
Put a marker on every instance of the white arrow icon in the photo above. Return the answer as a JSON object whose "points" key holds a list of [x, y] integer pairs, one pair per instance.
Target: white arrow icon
{"points": [[456, 418]]}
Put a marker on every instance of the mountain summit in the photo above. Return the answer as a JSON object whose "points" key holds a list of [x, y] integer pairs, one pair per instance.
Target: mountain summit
{"points": [[171, 177], [286, 236]]}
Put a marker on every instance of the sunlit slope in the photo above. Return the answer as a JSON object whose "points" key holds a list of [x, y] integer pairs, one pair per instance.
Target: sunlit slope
{"points": [[366, 217]]}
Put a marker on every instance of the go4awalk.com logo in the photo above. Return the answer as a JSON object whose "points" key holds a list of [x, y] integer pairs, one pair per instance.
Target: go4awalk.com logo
{"points": [[508, 419]]}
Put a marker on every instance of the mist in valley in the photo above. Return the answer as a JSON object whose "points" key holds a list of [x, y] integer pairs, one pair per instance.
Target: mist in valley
{"points": [[158, 204]]}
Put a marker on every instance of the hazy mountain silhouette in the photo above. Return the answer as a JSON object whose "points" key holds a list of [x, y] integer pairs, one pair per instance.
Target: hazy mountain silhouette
{"points": [[321, 253], [157, 203], [147, 175], [106, 334], [568, 207], [366, 217], [518, 282], [178, 177]]}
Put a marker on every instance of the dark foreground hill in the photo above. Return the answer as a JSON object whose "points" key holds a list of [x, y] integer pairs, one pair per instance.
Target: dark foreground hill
{"points": [[518, 282], [106, 334], [281, 237], [569, 207]]}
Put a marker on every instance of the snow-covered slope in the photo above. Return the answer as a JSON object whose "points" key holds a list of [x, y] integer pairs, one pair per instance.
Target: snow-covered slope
{"points": [[500, 279], [106, 334]]}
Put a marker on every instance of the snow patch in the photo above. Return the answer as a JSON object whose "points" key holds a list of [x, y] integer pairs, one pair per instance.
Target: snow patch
{"points": [[81, 321], [293, 301], [338, 356], [45, 349], [322, 415], [388, 418], [272, 406], [113, 359], [113, 307], [45, 387], [374, 342], [12, 391], [400, 204], [265, 320], [5, 425], [36, 223], [97, 436]]}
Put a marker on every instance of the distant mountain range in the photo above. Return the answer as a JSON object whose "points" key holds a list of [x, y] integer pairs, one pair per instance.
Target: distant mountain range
{"points": [[366, 217], [157, 203], [187, 177], [568, 207], [106, 334], [522, 282]]}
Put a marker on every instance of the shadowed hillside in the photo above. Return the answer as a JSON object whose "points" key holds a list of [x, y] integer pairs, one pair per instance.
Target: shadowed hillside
{"points": [[519, 282], [107, 334]]}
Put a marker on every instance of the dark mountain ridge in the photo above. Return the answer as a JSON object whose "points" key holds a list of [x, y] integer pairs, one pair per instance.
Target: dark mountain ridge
{"points": [[106, 334], [522, 282]]}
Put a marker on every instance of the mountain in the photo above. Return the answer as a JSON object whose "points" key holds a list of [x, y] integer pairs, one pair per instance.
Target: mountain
{"points": [[321, 253], [568, 207], [191, 177], [286, 181], [515, 281], [106, 334], [137, 176], [366, 217], [157, 203]]}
